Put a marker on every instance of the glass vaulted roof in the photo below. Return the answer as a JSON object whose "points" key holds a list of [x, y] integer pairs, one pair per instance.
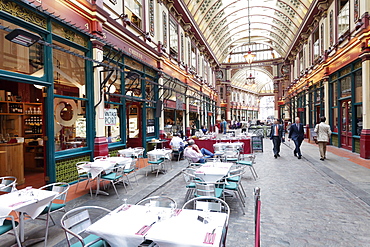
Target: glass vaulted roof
{"points": [[225, 25]]}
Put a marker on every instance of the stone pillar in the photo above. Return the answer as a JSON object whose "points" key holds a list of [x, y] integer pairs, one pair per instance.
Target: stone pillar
{"points": [[228, 103], [326, 97], [365, 134], [100, 143], [161, 119]]}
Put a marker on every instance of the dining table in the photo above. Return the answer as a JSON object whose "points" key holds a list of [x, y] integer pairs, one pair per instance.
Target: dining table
{"points": [[129, 152], [28, 201], [211, 172], [130, 225], [106, 165]]}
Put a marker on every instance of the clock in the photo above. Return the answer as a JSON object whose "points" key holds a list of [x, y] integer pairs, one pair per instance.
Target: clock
{"points": [[219, 74]]}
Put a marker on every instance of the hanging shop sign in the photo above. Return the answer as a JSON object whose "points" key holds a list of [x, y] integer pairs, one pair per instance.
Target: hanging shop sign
{"points": [[110, 117]]}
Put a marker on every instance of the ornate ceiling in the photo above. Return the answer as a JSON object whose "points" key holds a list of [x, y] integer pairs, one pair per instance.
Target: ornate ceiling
{"points": [[224, 23], [273, 26]]}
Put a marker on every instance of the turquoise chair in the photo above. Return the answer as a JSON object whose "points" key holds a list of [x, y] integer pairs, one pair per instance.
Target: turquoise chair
{"points": [[10, 224], [75, 222], [249, 163]]}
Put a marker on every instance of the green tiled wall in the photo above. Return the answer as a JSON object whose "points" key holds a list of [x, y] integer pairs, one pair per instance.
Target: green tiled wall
{"points": [[334, 140], [66, 169], [357, 145]]}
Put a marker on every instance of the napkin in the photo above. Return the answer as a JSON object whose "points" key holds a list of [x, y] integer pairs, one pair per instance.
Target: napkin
{"points": [[209, 238]]}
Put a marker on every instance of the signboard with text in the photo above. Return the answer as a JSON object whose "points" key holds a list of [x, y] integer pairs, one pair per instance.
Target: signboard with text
{"points": [[110, 117]]}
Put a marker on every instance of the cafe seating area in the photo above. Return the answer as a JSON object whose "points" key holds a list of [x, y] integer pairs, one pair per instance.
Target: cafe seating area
{"points": [[124, 192]]}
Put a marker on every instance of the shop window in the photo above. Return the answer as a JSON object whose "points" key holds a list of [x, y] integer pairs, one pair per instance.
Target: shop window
{"points": [[112, 122], [334, 93], [221, 93], [316, 44], [174, 39], [133, 87], [112, 87], [335, 119], [70, 123], [69, 72], [133, 9], [18, 58], [133, 122], [358, 109], [345, 87], [358, 86], [343, 17], [69, 114], [150, 122]]}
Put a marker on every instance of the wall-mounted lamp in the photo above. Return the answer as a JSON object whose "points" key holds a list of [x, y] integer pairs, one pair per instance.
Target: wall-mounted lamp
{"points": [[359, 23], [146, 36], [124, 18], [22, 37]]}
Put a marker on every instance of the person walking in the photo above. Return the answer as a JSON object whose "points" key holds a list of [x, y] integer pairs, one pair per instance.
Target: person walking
{"points": [[277, 136], [323, 136], [296, 133], [223, 126]]}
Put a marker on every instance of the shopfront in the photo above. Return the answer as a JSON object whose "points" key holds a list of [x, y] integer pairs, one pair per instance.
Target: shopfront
{"points": [[346, 106]]}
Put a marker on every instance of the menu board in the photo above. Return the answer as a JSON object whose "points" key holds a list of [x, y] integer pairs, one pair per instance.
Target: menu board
{"points": [[257, 143]]}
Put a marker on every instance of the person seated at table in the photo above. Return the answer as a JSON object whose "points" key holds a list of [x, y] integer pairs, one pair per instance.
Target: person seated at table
{"points": [[197, 155], [177, 143], [204, 129]]}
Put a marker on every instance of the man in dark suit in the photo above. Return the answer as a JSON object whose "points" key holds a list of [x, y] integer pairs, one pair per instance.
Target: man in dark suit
{"points": [[277, 136], [296, 133]]}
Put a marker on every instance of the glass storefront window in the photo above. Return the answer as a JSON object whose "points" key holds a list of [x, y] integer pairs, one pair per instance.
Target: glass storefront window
{"points": [[69, 72], [358, 110], [335, 119], [18, 58], [345, 87], [133, 122], [150, 122], [358, 86], [335, 93], [70, 123], [113, 132]]}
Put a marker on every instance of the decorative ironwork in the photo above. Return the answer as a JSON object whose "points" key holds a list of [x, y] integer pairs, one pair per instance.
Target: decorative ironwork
{"points": [[322, 38], [69, 34], [182, 47], [356, 10], [331, 27], [164, 29], [151, 17], [23, 13]]}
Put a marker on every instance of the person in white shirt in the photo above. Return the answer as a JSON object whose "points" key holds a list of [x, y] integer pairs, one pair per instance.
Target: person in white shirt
{"points": [[197, 155], [177, 142], [323, 136]]}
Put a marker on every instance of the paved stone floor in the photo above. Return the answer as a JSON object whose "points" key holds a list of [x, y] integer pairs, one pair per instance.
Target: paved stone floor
{"points": [[305, 202]]}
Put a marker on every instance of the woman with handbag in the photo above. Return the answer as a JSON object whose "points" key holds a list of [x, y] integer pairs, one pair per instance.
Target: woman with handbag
{"points": [[323, 135]]}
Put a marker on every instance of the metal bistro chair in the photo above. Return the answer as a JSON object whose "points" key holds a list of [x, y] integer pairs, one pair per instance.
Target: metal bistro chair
{"points": [[153, 160], [177, 152], [231, 155], [8, 183], [75, 223], [211, 204], [100, 158], [190, 179], [139, 155], [234, 184], [249, 162], [215, 189], [9, 224], [131, 170], [159, 201], [83, 176], [114, 178], [56, 205]]}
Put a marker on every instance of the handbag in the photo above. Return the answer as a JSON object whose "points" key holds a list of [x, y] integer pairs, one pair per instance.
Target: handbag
{"points": [[315, 137]]}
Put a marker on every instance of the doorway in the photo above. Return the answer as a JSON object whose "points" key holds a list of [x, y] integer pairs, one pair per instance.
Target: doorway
{"points": [[346, 124], [134, 124]]}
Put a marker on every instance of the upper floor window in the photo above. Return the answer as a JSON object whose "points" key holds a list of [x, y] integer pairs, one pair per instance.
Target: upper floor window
{"points": [[193, 57], [174, 39], [343, 17], [316, 44], [301, 61], [133, 9]]}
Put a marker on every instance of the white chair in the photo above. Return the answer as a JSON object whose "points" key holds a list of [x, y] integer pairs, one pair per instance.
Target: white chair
{"points": [[8, 184], [114, 178], [139, 155], [131, 170], [154, 161], [233, 183], [83, 176], [56, 205], [159, 201], [212, 204], [75, 222], [250, 161], [100, 158], [190, 179], [9, 224]]}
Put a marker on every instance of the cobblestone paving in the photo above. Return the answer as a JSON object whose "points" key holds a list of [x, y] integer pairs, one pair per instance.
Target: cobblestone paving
{"points": [[304, 202]]}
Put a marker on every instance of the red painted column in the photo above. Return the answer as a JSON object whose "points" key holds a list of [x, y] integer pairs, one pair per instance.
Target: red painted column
{"points": [[365, 144], [101, 146]]}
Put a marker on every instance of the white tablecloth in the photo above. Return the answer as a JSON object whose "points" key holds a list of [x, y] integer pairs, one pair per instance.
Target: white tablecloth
{"points": [[222, 145], [129, 152], [100, 165], [211, 172], [161, 153], [120, 228], [30, 201]]}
